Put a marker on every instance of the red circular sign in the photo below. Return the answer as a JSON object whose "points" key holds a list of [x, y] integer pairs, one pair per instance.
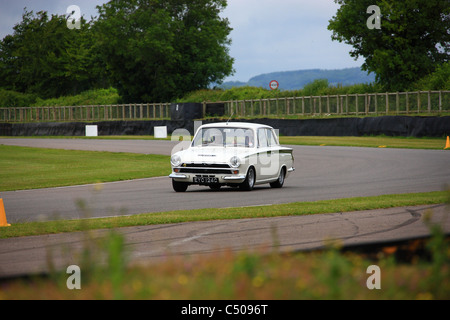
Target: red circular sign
{"points": [[274, 84]]}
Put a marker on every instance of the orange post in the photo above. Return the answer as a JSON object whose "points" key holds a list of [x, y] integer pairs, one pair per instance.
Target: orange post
{"points": [[3, 222], [447, 145]]}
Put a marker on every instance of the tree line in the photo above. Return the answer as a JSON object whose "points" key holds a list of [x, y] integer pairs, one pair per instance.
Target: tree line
{"points": [[150, 50]]}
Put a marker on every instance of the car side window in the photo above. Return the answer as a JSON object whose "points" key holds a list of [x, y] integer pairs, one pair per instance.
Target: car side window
{"points": [[271, 138], [262, 139]]}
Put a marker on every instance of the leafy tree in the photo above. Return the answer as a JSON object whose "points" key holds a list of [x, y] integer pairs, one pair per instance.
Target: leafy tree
{"points": [[157, 50], [413, 39], [43, 56]]}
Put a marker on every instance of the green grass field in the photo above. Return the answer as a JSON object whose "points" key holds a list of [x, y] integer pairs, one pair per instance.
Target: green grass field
{"points": [[32, 168]]}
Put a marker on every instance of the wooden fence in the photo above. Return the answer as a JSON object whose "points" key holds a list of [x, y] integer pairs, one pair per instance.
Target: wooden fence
{"points": [[86, 113], [389, 103]]}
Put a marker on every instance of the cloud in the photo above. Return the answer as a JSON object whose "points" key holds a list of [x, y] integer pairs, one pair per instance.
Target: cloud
{"points": [[283, 35], [11, 11]]}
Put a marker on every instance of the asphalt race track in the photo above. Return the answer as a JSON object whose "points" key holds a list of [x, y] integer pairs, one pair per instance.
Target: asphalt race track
{"points": [[321, 173]]}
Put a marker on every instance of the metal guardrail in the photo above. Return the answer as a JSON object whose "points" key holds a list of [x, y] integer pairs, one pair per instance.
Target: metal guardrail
{"points": [[388, 103]]}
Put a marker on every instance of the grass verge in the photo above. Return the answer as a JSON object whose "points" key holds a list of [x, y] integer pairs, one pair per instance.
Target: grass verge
{"points": [[32, 168], [290, 209]]}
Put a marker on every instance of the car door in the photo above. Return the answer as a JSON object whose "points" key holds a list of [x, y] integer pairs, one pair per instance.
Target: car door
{"points": [[273, 154], [268, 161]]}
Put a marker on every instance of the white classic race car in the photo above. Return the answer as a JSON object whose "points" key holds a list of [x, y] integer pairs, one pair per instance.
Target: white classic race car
{"points": [[232, 154]]}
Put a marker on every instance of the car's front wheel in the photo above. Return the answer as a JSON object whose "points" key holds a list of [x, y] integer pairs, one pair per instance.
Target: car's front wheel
{"points": [[249, 181], [179, 186]]}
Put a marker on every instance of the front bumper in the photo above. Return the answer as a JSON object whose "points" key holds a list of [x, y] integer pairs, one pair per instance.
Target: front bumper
{"points": [[174, 175], [204, 178], [208, 173]]}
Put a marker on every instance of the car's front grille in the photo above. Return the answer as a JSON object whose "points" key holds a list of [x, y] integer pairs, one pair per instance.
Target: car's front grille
{"points": [[205, 165], [205, 168]]}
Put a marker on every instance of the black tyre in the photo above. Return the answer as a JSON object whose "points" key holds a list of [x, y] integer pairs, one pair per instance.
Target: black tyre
{"points": [[280, 181], [249, 181], [179, 186]]}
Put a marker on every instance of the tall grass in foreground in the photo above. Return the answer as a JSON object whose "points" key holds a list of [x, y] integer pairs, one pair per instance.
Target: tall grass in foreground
{"points": [[259, 274]]}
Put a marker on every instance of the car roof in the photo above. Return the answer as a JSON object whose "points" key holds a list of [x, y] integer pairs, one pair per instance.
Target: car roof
{"points": [[236, 124]]}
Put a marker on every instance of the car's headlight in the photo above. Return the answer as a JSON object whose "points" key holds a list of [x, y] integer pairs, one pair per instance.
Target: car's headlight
{"points": [[235, 162], [175, 160]]}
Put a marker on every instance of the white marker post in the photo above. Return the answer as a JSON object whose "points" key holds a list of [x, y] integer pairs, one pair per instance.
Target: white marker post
{"points": [[160, 132], [91, 131]]}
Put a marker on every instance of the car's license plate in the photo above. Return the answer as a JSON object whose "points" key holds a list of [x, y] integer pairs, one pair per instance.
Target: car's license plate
{"points": [[206, 180]]}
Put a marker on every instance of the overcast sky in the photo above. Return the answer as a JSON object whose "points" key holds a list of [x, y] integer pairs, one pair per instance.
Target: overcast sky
{"points": [[267, 36]]}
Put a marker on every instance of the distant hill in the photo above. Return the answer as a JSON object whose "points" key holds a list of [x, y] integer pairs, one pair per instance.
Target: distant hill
{"points": [[293, 80]]}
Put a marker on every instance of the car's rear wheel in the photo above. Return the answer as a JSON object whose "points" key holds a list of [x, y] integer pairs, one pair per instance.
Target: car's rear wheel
{"points": [[249, 181], [280, 181], [179, 186]]}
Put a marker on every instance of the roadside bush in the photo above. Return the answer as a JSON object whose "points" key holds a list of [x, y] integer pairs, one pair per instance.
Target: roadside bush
{"points": [[438, 80], [246, 92], [90, 97], [314, 88], [211, 95], [9, 98]]}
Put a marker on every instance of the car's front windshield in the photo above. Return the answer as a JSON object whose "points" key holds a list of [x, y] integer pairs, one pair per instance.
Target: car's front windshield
{"points": [[224, 137]]}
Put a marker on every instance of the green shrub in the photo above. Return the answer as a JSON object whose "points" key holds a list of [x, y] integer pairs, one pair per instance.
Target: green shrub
{"points": [[10, 98], [314, 88], [438, 80], [211, 95], [90, 97]]}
